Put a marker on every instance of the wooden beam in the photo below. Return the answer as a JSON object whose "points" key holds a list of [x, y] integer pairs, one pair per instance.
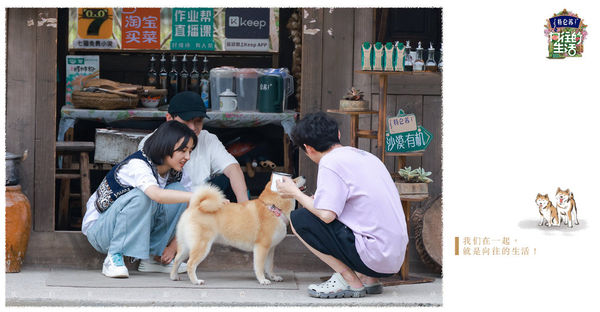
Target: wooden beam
{"points": [[45, 117], [312, 74], [338, 46], [20, 93], [363, 32]]}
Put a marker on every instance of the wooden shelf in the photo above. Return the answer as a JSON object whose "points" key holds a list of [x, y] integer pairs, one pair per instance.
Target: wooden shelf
{"points": [[413, 198], [380, 136], [379, 72], [369, 134], [409, 154], [147, 51], [337, 111]]}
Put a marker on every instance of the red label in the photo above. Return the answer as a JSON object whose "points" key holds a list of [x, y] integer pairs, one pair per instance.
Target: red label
{"points": [[140, 28]]}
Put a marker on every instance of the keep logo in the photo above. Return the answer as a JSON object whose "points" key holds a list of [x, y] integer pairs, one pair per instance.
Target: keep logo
{"points": [[247, 23], [234, 21]]}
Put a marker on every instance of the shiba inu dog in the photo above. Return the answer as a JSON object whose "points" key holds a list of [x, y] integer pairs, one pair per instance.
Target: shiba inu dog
{"points": [[548, 213], [567, 210], [256, 225]]}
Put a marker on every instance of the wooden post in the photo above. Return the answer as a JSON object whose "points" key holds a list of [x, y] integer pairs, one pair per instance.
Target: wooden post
{"points": [[382, 111], [31, 104], [404, 269], [84, 171], [353, 130], [312, 81]]}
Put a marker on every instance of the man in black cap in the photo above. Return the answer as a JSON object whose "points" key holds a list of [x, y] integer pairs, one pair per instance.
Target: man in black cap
{"points": [[209, 162]]}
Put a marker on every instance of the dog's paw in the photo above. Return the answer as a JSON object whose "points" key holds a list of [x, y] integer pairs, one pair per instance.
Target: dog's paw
{"points": [[275, 278], [198, 282], [264, 282], [175, 277]]}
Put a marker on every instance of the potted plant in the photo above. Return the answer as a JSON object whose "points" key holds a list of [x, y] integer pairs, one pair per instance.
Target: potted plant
{"points": [[413, 181], [353, 101]]}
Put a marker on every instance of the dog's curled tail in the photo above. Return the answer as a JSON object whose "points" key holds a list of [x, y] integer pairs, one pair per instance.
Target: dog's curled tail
{"points": [[207, 198]]}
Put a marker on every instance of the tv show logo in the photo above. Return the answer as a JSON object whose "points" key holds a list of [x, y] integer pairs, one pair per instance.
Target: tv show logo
{"points": [[566, 33]]}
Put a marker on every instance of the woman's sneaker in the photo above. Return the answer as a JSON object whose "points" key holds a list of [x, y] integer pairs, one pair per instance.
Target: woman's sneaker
{"points": [[335, 287], [114, 266], [151, 265]]}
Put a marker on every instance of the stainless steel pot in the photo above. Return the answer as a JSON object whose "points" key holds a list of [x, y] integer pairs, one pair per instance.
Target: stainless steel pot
{"points": [[12, 167]]}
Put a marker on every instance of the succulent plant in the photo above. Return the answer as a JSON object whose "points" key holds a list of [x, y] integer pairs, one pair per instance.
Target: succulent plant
{"points": [[354, 95], [419, 175]]}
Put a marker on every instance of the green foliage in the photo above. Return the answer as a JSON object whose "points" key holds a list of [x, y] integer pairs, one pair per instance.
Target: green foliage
{"points": [[419, 175], [354, 95]]}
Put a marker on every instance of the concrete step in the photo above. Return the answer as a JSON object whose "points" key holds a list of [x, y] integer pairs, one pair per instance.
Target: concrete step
{"points": [[31, 288]]}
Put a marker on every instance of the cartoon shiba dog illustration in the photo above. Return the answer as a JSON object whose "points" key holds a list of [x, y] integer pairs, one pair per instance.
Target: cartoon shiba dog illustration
{"points": [[567, 210], [548, 213]]}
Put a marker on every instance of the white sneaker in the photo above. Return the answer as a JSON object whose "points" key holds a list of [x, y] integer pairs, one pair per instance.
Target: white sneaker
{"points": [[114, 266], [151, 265]]}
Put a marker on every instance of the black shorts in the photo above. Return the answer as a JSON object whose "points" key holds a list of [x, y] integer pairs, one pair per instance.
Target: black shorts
{"points": [[333, 239]]}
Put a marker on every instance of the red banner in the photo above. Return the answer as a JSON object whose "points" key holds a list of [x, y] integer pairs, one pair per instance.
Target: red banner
{"points": [[140, 28]]}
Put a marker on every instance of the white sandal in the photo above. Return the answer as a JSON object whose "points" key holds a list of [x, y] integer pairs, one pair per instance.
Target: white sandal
{"points": [[335, 287]]}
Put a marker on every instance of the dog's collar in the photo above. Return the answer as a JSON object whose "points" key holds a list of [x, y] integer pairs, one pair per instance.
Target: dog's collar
{"points": [[276, 211]]}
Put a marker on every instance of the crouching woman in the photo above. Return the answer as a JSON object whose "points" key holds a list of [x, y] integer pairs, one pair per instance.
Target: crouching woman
{"points": [[135, 209]]}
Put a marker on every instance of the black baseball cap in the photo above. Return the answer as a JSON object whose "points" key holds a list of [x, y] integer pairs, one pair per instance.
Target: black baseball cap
{"points": [[187, 105]]}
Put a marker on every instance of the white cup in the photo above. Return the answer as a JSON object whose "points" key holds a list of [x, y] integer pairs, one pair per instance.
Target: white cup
{"points": [[277, 176], [227, 101], [228, 104]]}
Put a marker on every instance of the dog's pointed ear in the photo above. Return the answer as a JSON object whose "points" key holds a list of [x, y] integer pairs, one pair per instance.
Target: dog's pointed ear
{"points": [[557, 190]]}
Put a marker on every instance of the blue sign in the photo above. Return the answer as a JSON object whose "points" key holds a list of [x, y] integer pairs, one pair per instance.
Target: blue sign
{"points": [[564, 21]]}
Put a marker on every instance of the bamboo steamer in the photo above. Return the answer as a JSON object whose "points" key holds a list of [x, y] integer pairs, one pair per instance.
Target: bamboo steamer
{"points": [[18, 227], [427, 224]]}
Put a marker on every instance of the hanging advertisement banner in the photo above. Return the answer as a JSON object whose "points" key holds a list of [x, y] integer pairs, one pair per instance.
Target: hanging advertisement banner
{"points": [[78, 68], [247, 29], [213, 29], [95, 28], [140, 28], [192, 29]]}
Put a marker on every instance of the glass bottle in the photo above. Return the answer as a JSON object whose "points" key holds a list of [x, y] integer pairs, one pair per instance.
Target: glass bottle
{"points": [[441, 63], [408, 64], [173, 79], [419, 63], [162, 75], [152, 75], [184, 76], [195, 76], [431, 65], [205, 83]]}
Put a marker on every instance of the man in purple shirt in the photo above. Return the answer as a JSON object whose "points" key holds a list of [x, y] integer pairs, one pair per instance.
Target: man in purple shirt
{"points": [[355, 223]]}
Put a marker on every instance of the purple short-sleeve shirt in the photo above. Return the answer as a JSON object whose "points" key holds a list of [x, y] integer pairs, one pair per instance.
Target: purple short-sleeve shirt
{"points": [[358, 187]]}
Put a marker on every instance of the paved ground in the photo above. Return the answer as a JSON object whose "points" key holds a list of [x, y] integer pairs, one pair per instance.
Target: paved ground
{"points": [[29, 288]]}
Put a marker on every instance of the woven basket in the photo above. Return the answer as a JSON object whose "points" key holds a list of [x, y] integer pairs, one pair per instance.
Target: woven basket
{"points": [[101, 100]]}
